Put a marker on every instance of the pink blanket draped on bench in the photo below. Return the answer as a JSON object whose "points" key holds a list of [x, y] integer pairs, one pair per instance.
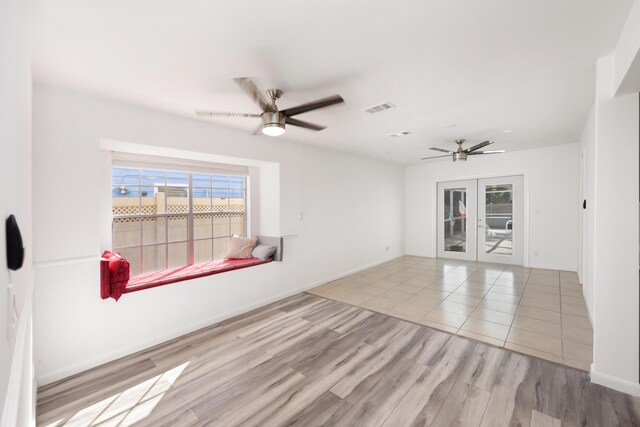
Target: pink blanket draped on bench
{"points": [[164, 277]]}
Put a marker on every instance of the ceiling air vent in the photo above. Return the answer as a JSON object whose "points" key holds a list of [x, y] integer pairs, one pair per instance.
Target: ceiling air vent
{"points": [[379, 107], [401, 133]]}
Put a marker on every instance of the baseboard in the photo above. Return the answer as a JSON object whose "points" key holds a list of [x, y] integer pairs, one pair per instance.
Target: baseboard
{"points": [[350, 272], [553, 267], [47, 378], [629, 387], [420, 254]]}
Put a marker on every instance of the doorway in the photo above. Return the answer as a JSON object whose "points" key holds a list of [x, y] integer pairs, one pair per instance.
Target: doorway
{"points": [[482, 219]]}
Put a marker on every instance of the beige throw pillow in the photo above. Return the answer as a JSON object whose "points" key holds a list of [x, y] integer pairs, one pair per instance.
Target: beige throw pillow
{"points": [[240, 247]]}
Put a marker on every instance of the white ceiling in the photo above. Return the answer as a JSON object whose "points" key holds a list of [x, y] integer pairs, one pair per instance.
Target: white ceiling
{"points": [[483, 66]]}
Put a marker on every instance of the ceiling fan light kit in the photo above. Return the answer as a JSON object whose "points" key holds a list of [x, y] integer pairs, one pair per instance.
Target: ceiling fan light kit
{"points": [[273, 121]]}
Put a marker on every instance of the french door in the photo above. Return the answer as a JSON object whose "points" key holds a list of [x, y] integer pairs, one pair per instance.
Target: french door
{"points": [[482, 220]]}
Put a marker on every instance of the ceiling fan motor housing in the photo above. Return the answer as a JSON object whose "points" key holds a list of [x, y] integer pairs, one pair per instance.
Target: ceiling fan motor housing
{"points": [[273, 118], [459, 156]]}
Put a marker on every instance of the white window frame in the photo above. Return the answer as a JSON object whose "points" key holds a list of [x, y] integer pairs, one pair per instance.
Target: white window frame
{"points": [[143, 162]]}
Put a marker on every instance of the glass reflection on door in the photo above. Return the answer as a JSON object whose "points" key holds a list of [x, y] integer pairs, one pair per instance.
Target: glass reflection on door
{"points": [[499, 219], [455, 219]]}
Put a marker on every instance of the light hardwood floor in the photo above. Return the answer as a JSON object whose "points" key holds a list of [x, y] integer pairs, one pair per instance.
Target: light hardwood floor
{"points": [[310, 361]]}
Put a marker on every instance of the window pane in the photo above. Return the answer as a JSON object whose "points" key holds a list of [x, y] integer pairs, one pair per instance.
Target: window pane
{"points": [[220, 181], [177, 228], [125, 176], [220, 247], [125, 200], [149, 201], [236, 182], [202, 226], [133, 256], [236, 202], [154, 230], [177, 254], [455, 219], [126, 232], [151, 178], [177, 199], [201, 180], [221, 225], [180, 179], [220, 204], [153, 258], [203, 250], [202, 201], [237, 224]]}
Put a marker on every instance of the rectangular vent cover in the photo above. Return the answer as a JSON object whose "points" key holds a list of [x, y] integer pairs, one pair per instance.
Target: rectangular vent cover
{"points": [[379, 107], [401, 133]]}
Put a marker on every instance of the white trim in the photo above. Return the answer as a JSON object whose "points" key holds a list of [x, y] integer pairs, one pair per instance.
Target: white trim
{"points": [[12, 399], [629, 387], [66, 261], [144, 161], [50, 377]]}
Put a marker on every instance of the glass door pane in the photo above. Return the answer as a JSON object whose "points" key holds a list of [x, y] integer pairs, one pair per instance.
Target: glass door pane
{"points": [[455, 219], [457, 231], [498, 219], [501, 220]]}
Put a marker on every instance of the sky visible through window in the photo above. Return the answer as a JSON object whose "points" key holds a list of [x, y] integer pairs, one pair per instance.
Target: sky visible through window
{"points": [[136, 183]]}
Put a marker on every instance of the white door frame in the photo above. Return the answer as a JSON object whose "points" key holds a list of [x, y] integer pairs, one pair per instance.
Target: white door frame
{"points": [[434, 208]]}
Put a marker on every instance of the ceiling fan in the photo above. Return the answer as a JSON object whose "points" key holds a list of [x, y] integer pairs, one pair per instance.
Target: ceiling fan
{"points": [[274, 120], [461, 155]]}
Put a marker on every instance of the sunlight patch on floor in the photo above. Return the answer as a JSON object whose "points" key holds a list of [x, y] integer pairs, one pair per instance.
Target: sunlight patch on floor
{"points": [[128, 407]]}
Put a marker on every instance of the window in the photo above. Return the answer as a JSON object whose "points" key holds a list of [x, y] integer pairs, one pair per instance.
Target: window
{"points": [[164, 218]]}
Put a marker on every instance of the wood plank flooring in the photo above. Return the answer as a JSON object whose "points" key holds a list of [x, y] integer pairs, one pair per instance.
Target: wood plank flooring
{"points": [[308, 361]]}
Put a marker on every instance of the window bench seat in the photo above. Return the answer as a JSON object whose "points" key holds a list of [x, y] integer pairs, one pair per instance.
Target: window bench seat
{"points": [[164, 277]]}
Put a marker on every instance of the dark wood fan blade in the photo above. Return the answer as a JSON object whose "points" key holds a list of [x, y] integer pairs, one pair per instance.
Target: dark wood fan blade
{"points": [[441, 149], [302, 124], [478, 146], [224, 114], [435, 157], [247, 85], [320, 103], [486, 152]]}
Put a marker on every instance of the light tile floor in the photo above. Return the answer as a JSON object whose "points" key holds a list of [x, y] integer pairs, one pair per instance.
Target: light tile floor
{"points": [[537, 312]]}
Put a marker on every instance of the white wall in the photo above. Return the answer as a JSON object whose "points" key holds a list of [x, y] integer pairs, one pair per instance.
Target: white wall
{"points": [[626, 60], [352, 208], [587, 148], [615, 244], [551, 179], [16, 385]]}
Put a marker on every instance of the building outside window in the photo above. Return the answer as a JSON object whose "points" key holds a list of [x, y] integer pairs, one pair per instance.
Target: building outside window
{"points": [[165, 219]]}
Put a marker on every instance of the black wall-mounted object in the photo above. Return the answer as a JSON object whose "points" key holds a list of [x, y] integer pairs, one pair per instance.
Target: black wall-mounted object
{"points": [[584, 204], [15, 250]]}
